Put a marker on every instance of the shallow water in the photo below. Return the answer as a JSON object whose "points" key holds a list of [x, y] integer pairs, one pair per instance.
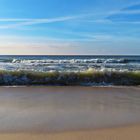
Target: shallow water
{"points": [[49, 109]]}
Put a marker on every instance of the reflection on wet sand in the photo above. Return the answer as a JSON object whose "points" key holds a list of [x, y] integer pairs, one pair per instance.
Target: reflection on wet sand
{"points": [[49, 109]]}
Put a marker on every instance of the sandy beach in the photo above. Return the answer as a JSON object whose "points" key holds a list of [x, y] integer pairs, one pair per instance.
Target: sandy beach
{"points": [[121, 133], [77, 113]]}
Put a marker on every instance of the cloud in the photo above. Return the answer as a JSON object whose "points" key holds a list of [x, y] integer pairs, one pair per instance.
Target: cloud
{"points": [[129, 15], [101, 17], [25, 22], [107, 17]]}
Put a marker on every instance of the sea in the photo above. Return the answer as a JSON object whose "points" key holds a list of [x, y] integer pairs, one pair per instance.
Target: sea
{"points": [[69, 63], [64, 67]]}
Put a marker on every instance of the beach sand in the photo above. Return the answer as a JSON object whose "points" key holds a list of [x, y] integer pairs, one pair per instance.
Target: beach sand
{"points": [[121, 133], [71, 113]]}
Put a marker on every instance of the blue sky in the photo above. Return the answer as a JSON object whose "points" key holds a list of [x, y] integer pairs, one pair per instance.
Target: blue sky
{"points": [[70, 27]]}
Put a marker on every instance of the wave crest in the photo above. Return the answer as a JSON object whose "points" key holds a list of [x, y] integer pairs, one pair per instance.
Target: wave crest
{"points": [[89, 77]]}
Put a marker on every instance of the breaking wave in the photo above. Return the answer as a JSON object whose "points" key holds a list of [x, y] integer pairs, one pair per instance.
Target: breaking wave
{"points": [[90, 77]]}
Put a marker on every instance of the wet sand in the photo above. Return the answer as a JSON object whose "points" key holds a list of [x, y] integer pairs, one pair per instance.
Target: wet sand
{"points": [[69, 113], [121, 133]]}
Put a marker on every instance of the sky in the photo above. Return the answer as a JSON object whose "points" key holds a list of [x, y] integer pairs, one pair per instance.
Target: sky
{"points": [[69, 27]]}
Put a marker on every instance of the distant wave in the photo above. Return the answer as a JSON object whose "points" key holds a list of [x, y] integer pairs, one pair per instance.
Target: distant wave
{"points": [[90, 77], [76, 61]]}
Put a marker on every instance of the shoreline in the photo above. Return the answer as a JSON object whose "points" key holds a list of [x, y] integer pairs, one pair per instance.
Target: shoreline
{"points": [[67, 86]]}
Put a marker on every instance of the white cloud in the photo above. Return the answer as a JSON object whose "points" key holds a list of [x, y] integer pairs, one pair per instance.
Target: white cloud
{"points": [[25, 22], [99, 18]]}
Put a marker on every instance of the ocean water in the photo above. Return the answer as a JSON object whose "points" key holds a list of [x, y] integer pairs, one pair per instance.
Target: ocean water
{"points": [[69, 63], [67, 70]]}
